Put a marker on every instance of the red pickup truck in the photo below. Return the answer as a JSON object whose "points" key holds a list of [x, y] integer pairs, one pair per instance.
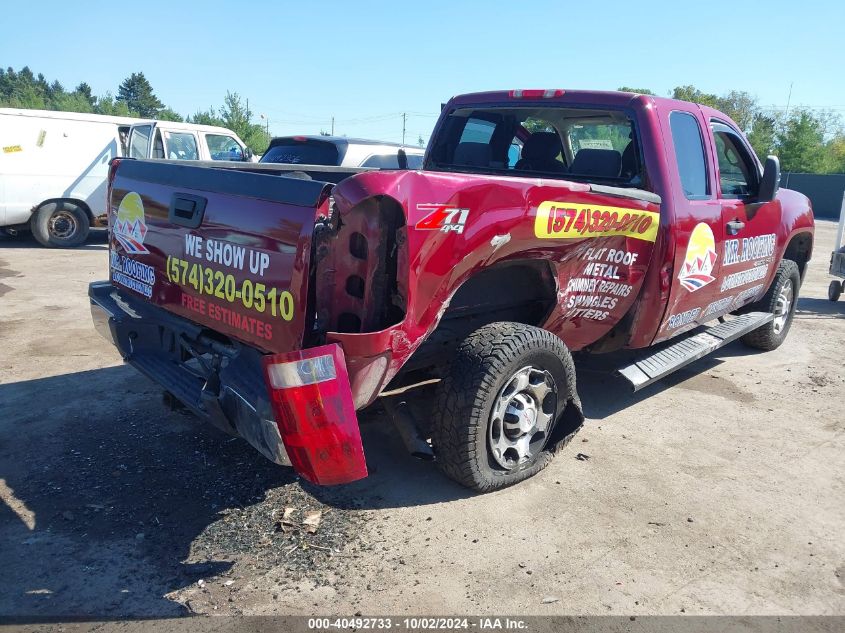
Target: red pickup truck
{"points": [[275, 303]]}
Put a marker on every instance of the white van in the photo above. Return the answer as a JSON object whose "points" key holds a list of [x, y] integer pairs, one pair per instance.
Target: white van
{"points": [[54, 165], [53, 171], [185, 141]]}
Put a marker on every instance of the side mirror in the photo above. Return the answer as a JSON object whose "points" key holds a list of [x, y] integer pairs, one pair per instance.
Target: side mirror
{"points": [[247, 154], [771, 180]]}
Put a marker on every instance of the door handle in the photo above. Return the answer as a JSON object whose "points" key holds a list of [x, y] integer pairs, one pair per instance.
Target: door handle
{"points": [[186, 210], [735, 226]]}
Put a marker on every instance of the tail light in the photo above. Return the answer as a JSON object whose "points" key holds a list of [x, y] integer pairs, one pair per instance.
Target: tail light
{"points": [[535, 94], [312, 403]]}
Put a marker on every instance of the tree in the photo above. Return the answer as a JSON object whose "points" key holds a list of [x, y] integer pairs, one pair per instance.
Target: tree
{"points": [[108, 105], [167, 114], [835, 155], [694, 95], [763, 134], [740, 106], [84, 90], [71, 102], [209, 117], [236, 116], [801, 143], [641, 91], [137, 93], [421, 141]]}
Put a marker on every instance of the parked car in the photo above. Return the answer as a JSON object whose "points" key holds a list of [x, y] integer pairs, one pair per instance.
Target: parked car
{"points": [[53, 170], [339, 151], [185, 141], [542, 223]]}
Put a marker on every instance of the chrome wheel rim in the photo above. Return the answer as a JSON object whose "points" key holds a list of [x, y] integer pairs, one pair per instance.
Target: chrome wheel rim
{"points": [[62, 224], [783, 306], [521, 417]]}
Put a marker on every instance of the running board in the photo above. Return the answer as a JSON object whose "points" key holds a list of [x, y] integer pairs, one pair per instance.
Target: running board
{"points": [[662, 363]]}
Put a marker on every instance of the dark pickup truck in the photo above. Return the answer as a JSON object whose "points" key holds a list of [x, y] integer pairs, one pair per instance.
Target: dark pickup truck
{"points": [[275, 303]]}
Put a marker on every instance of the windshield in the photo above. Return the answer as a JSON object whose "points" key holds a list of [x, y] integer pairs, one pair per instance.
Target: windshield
{"points": [[302, 152], [587, 144]]}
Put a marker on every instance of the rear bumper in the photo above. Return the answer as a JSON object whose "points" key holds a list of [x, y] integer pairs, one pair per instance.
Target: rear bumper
{"points": [[222, 384]]}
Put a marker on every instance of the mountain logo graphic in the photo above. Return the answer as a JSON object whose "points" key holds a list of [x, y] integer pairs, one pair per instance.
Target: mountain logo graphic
{"points": [[696, 271], [130, 228]]}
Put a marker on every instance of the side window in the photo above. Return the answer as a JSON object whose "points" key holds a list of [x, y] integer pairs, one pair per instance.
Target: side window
{"points": [[123, 135], [514, 152], [689, 152], [181, 146], [738, 176], [158, 146], [139, 141], [478, 131], [222, 147]]}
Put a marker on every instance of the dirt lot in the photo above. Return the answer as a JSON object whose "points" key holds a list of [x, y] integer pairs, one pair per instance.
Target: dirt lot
{"points": [[718, 491]]}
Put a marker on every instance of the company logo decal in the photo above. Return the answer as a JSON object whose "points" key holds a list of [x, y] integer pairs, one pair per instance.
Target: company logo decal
{"points": [[442, 217], [697, 269], [568, 220], [130, 228], [749, 249]]}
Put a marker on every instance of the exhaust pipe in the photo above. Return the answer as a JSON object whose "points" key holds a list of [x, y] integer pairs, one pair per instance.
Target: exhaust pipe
{"points": [[409, 429]]}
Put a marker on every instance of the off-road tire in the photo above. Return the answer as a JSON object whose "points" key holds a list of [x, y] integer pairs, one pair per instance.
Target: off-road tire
{"points": [[479, 370], [44, 223], [766, 337]]}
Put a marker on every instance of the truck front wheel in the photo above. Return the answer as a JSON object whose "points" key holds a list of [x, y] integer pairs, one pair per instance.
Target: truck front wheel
{"points": [[499, 410], [781, 300], [60, 224]]}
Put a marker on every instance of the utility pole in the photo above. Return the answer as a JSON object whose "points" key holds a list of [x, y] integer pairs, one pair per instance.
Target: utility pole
{"points": [[403, 127], [332, 126], [788, 101]]}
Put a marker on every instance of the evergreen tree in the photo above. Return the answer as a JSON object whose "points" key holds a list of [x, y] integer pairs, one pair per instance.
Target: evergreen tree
{"points": [[137, 93]]}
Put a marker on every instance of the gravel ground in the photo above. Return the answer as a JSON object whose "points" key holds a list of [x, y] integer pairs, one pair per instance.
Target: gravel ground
{"points": [[717, 491]]}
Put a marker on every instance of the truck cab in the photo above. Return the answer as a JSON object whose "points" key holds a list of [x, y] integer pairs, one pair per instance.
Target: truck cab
{"points": [[165, 140]]}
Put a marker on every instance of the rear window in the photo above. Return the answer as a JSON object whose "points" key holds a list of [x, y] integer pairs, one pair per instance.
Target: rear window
{"points": [[305, 152], [576, 143]]}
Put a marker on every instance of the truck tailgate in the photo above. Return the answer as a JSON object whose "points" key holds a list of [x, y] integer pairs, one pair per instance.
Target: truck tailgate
{"points": [[227, 249]]}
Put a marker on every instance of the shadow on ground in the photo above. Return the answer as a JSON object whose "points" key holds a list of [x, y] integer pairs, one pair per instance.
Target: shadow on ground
{"points": [[820, 308], [107, 494], [98, 239]]}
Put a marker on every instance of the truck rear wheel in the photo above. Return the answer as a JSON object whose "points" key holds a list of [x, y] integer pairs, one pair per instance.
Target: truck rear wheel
{"points": [[834, 290], [498, 413], [780, 300], [60, 224]]}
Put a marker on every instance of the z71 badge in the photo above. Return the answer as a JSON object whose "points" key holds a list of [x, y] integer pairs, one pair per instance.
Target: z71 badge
{"points": [[442, 217]]}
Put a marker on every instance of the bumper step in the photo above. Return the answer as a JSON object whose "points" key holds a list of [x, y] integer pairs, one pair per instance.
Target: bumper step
{"points": [[660, 364], [184, 385]]}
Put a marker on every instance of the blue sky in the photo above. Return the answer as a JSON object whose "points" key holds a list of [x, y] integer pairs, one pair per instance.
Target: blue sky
{"points": [[300, 63]]}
